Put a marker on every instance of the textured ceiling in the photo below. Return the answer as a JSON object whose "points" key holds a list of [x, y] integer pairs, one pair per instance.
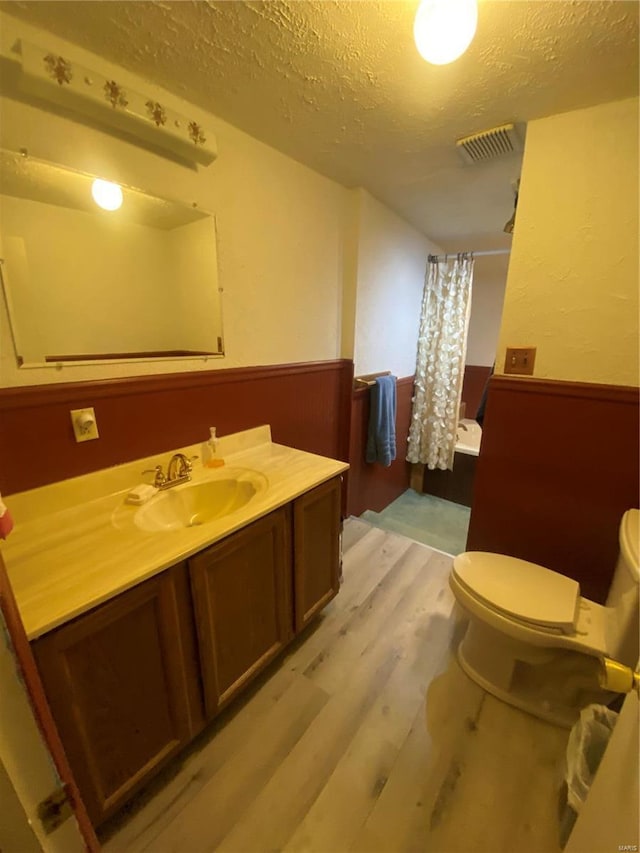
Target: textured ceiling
{"points": [[340, 86]]}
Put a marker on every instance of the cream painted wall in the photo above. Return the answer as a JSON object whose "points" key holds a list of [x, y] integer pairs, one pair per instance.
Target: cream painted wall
{"points": [[15, 831], [487, 296], [350, 274], [390, 271], [572, 288], [280, 225]]}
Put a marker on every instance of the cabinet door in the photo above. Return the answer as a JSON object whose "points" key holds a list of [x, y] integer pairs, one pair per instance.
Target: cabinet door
{"points": [[242, 598], [316, 537], [122, 685]]}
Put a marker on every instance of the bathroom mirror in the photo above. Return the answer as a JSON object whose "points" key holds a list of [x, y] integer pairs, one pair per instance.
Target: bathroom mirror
{"points": [[87, 284]]}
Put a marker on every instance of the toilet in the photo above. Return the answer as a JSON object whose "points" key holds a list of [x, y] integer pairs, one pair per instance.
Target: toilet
{"points": [[533, 641]]}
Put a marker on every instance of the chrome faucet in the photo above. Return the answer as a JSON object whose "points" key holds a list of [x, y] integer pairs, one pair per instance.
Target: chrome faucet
{"points": [[178, 471]]}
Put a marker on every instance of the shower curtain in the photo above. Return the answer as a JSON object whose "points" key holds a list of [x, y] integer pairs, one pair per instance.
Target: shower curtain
{"points": [[442, 345]]}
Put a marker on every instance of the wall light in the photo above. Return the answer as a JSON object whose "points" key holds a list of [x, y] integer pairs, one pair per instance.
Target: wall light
{"points": [[444, 29], [106, 195], [64, 82]]}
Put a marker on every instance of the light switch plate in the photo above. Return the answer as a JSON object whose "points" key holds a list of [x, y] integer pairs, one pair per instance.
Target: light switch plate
{"points": [[85, 427], [520, 360]]}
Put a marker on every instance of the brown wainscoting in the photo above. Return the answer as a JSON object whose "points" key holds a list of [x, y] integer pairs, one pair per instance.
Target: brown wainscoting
{"points": [[372, 486], [455, 486], [308, 406], [558, 467], [475, 378]]}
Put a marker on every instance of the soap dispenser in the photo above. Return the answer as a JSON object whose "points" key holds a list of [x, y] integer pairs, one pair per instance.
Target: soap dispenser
{"points": [[210, 457]]}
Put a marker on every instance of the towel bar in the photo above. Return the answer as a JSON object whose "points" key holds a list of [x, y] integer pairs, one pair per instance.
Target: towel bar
{"points": [[368, 379]]}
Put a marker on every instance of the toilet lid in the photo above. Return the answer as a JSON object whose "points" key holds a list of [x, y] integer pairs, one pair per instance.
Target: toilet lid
{"points": [[526, 591]]}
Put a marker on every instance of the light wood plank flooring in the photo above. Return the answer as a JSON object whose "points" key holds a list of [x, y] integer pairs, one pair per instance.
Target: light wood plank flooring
{"points": [[366, 737]]}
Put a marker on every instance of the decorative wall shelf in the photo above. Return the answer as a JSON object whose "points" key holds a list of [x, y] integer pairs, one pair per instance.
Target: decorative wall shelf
{"points": [[63, 81]]}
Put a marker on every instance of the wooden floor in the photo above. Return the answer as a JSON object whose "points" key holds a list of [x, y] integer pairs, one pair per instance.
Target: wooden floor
{"points": [[366, 737]]}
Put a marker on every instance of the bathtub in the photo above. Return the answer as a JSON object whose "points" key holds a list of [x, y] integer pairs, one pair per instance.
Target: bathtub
{"points": [[457, 485], [468, 437]]}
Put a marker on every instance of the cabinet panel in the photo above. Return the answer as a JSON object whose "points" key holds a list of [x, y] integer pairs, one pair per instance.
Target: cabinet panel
{"points": [[123, 689], [242, 597], [316, 531]]}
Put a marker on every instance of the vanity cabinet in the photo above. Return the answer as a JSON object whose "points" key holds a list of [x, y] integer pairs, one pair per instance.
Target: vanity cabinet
{"points": [[122, 684], [316, 553], [134, 680], [242, 599]]}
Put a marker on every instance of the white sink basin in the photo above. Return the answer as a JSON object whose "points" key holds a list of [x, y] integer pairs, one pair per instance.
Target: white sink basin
{"points": [[194, 504]]}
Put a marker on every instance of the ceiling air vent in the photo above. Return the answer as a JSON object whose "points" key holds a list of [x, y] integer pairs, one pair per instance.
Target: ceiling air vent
{"points": [[489, 144]]}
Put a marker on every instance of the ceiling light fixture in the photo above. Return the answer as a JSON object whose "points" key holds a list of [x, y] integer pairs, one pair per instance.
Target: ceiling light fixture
{"points": [[444, 29], [106, 195]]}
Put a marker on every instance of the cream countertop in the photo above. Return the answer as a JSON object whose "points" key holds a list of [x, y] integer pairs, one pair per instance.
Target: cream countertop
{"points": [[75, 545]]}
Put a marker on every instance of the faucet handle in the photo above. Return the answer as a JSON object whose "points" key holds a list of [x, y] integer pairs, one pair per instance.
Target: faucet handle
{"points": [[159, 476]]}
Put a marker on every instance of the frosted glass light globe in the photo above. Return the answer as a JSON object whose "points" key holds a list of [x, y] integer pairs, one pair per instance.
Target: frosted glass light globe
{"points": [[106, 195], [444, 29]]}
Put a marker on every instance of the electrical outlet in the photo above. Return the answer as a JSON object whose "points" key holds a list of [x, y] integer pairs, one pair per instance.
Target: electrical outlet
{"points": [[520, 360], [85, 427]]}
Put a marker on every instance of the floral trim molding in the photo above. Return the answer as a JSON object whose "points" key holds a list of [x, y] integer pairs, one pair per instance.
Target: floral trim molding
{"points": [[115, 94], [105, 99], [157, 112], [58, 68], [196, 134]]}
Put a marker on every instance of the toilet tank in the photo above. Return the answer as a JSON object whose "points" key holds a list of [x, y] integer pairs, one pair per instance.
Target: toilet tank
{"points": [[622, 639]]}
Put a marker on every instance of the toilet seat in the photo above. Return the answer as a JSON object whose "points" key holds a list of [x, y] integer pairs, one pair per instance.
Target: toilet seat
{"points": [[523, 592]]}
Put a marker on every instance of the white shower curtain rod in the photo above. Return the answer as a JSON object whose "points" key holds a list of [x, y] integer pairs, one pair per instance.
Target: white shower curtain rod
{"points": [[475, 254]]}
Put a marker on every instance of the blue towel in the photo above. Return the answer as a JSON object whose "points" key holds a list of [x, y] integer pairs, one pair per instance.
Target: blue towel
{"points": [[381, 440]]}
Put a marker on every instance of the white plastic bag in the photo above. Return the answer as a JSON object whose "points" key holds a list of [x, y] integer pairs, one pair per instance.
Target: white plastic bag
{"points": [[587, 742]]}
